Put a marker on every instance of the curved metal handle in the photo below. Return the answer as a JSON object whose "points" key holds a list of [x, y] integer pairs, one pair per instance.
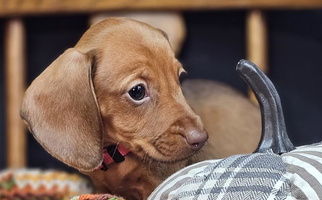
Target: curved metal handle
{"points": [[274, 136]]}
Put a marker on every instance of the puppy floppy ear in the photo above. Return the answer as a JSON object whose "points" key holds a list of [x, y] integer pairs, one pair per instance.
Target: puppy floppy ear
{"points": [[61, 111]]}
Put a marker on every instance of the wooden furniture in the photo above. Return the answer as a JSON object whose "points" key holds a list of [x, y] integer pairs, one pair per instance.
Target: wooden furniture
{"points": [[14, 11], [36, 7]]}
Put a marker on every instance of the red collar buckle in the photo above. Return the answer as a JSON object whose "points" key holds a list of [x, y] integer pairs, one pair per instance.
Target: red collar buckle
{"points": [[113, 153]]}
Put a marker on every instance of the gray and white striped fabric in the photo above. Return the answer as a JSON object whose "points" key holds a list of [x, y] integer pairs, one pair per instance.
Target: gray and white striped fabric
{"points": [[294, 175], [304, 170]]}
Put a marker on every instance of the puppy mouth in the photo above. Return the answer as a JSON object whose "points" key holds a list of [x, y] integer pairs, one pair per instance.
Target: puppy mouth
{"points": [[166, 159], [156, 155], [165, 149]]}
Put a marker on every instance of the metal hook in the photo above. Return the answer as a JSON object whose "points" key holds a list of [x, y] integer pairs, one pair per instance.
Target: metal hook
{"points": [[274, 136]]}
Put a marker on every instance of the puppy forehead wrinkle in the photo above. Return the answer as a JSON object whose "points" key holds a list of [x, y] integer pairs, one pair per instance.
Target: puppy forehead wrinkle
{"points": [[139, 74]]}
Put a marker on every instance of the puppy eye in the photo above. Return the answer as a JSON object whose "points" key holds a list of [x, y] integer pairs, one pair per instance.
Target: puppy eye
{"points": [[137, 92]]}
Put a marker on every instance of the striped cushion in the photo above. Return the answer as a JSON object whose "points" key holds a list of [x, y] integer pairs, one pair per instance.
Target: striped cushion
{"points": [[304, 170], [297, 174]]}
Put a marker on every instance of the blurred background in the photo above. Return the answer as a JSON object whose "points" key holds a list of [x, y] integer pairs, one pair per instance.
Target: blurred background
{"points": [[214, 43]]}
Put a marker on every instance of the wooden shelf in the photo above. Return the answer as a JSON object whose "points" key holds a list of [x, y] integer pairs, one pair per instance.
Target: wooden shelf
{"points": [[36, 7]]}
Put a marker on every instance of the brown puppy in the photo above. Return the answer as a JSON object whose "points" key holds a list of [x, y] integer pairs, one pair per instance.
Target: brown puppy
{"points": [[118, 85]]}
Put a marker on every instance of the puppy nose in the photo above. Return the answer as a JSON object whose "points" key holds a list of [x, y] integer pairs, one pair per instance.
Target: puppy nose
{"points": [[196, 139]]}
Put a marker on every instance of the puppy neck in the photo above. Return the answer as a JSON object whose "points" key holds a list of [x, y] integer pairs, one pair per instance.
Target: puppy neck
{"points": [[113, 153]]}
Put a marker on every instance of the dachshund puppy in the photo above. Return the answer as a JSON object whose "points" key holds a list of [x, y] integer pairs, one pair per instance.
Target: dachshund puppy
{"points": [[117, 88]]}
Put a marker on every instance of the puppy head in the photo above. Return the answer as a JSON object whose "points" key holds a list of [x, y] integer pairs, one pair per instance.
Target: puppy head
{"points": [[119, 84]]}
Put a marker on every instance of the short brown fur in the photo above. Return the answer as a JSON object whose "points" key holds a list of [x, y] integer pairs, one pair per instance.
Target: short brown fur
{"points": [[80, 104]]}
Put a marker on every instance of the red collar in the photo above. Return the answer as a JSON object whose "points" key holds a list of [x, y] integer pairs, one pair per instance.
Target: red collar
{"points": [[113, 153]]}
